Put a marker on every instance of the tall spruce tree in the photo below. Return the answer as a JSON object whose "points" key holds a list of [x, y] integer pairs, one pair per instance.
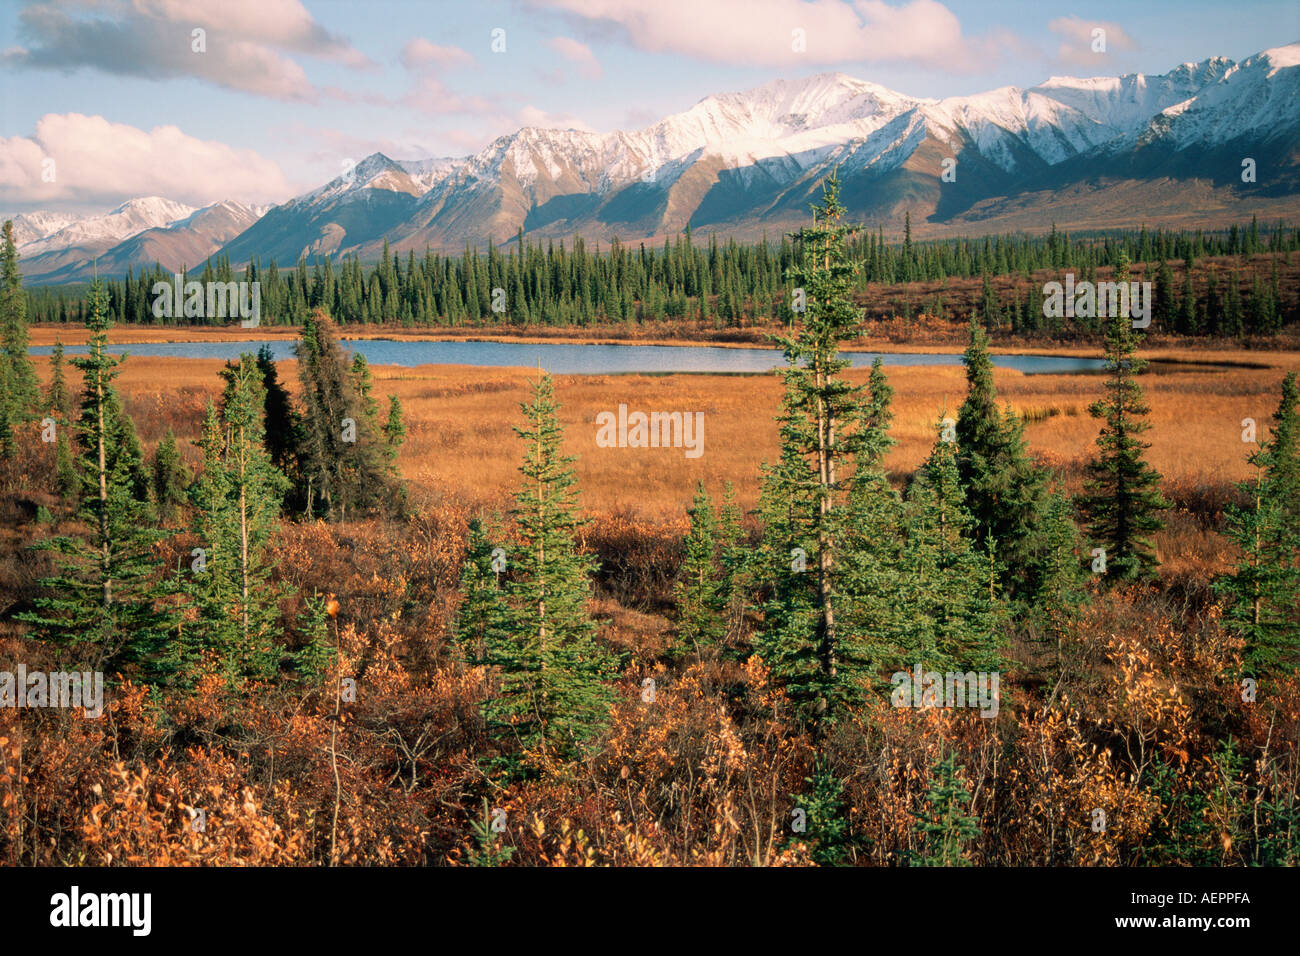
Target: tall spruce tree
{"points": [[874, 534], [394, 429], [553, 673], [735, 558], [1263, 589], [820, 435], [7, 446], [21, 393], [284, 429], [1122, 500], [1004, 489], [947, 602], [237, 505], [102, 598]]}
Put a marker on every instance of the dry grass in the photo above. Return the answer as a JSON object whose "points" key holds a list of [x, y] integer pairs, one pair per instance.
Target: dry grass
{"points": [[461, 441]]}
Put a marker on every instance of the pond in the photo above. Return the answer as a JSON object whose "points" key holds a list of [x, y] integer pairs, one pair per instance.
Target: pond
{"points": [[570, 359]]}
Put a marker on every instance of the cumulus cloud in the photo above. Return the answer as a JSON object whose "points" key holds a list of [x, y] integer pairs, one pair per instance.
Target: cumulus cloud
{"points": [[429, 93], [787, 32], [239, 47], [535, 116], [580, 55], [97, 162], [1079, 39], [419, 54]]}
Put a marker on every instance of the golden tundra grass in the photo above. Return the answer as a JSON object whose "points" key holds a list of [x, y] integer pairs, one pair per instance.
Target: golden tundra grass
{"points": [[460, 439]]}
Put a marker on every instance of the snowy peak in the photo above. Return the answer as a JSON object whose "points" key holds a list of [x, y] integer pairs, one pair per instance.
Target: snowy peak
{"points": [[132, 217], [30, 226], [379, 172]]}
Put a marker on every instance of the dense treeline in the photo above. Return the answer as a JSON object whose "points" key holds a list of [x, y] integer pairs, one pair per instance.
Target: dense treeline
{"points": [[731, 284], [796, 634]]}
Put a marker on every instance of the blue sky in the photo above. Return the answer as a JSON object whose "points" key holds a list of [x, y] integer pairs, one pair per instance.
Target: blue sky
{"points": [[283, 92]]}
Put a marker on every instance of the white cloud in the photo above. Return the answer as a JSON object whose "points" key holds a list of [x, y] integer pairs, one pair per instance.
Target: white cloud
{"points": [[762, 32], [420, 53], [1079, 39], [535, 116], [580, 55], [239, 47], [98, 162]]}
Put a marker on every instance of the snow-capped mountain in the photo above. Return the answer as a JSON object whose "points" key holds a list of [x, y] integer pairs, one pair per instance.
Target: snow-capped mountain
{"points": [[136, 235], [128, 219], [30, 226], [1077, 151], [1084, 153]]}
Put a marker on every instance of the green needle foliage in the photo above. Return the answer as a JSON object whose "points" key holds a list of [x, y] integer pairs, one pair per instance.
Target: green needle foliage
{"points": [[237, 504], [102, 596], [945, 824], [700, 591], [827, 826], [947, 599], [394, 429], [21, 394], [57, 397], [170, 477], [1263, 590], [482, 618], [344, 463], [1122, 500], [1004, 489], [553, 693], [805, 496]]}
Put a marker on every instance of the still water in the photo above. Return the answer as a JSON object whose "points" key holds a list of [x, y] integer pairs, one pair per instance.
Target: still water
{"points": [[570, 359]]}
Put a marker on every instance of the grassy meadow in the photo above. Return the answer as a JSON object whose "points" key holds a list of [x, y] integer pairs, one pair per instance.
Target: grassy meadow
{"points": [[461, 444]]}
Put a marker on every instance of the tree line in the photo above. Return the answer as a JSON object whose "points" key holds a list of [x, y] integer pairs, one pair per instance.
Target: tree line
{"points": [[724, 284]]}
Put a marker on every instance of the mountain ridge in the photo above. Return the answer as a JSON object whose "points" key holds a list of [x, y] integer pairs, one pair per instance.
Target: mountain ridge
{"points": [[747, 161]]}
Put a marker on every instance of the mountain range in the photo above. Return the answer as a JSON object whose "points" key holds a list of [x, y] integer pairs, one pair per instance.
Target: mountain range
{"points": [[1091, 153]]}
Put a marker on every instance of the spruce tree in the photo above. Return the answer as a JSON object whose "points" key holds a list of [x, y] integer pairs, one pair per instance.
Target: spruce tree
{"points": [[344, 463], [171, 477], [284, 429], [57, 397], [945, 823], [67, 481], [21, 393], [698, 592], [1122, 500], [947, 603], [7, 446], [1004, 489], [552, 671], [102, 596], [820, 436], [1059, 584], [1263, 589], [237, 509], [394, 428], [482, 618], [735, 558]]}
